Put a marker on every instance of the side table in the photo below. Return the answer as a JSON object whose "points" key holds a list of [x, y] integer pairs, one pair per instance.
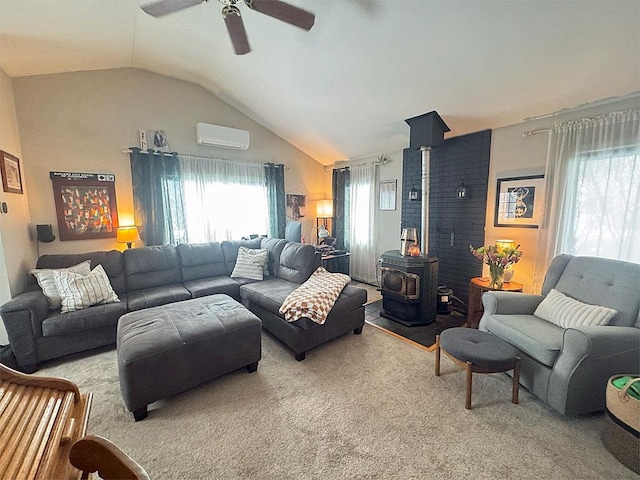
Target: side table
{"points": [[336, 262], [477, 286]]}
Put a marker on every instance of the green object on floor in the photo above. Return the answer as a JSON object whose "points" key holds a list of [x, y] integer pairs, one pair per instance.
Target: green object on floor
{"points": [[634, 390]]}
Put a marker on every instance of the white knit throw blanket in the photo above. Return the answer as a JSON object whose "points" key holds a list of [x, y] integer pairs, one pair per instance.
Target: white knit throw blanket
{"points": [[315, 298]]}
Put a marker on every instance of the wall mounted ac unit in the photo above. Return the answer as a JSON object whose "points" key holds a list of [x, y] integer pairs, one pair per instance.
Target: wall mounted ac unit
{"points": [[218, 136]]}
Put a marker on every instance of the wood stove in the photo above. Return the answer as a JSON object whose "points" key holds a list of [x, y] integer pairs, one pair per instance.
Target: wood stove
{"points": [[409, 287]]}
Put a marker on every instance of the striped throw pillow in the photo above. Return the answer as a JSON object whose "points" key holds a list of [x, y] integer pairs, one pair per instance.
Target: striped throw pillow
{"points": [[44, 276], [250, 263], [81, 291], [567, 312]]}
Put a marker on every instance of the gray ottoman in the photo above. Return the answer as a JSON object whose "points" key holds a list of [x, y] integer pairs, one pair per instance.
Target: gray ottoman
{"points": [[168, 349], [479, 352]]}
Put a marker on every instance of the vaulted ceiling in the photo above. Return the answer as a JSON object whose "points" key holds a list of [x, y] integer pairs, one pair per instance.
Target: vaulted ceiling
{"points": [[343, 89]]}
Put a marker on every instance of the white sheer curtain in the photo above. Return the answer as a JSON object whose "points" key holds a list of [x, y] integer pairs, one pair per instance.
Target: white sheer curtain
{"points": [[223, 199], [362, 224], [592, 182]]}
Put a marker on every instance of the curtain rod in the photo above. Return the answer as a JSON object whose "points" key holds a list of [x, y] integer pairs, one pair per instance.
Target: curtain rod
{"points": [[529, 133], [201, 157], [381, 160]]}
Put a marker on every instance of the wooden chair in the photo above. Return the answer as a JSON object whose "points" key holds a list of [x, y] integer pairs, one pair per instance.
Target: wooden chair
{"points": [[97, 454]]}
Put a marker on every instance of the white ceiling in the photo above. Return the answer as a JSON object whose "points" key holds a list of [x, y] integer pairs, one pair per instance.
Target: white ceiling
{"points": [[343, 89]]}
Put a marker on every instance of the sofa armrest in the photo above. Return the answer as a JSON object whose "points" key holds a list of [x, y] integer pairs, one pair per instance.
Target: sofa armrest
{"points": [[589, 356], [22, 317], [505, 303]]}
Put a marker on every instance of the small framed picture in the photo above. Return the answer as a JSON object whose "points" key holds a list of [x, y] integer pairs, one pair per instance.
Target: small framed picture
{"points": [[10, 167], [157, 141], [296, 206], [519, 201], [388, 194]]}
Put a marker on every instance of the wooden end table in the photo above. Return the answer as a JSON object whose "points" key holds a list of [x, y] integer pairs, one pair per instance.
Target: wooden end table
{"points": [[477, 286]]}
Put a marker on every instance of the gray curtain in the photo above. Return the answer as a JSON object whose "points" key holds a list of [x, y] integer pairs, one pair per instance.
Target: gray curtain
{"points": [[157, 197], [341, 206], [274, 177]]}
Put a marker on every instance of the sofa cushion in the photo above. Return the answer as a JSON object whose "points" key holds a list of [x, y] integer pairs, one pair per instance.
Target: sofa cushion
{"points": [[297, 262], [81, 291], [566, 312], [111, 261], [210, 286], [82, 320], [150, 267], [250, 263], [47, 283], [274, 247], [201, 260], [534, 336], [151, 297]]}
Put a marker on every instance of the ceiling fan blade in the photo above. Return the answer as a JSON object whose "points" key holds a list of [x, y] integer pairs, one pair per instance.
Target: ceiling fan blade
{"points": [[235, 27], [283, 11], [164, 7]]}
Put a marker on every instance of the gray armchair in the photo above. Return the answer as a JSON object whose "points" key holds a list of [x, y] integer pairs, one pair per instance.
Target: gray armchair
{"points": [[568, 368]]}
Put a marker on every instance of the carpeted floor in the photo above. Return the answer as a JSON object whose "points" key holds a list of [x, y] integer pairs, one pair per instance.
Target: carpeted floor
{"points": [[422, 335], [362, 406]]}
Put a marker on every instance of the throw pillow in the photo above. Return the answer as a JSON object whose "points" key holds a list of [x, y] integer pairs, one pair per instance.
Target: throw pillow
{"points": [[44, 276], [250, 263], [81, 291], [567, 312]]}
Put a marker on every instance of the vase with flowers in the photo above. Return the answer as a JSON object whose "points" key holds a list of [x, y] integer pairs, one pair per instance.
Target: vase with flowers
{"points": [[498, 257]]}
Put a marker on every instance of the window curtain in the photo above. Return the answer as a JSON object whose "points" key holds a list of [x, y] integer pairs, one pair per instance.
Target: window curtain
{"points": [[274, 178], [224, 199], [157, 197], [592, 185], [362, 221], [341, 193]]}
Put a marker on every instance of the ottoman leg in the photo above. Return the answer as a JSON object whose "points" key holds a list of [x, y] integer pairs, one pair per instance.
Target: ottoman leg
{"points": [[140, 413], [357, 331], [252, 367], [301, 356], [516, 381], [467, 403], [437, 355]]}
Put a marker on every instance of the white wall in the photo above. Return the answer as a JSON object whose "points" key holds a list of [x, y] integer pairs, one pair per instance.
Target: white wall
{"points": [[17, 252], [513, 155], [81, 122]]}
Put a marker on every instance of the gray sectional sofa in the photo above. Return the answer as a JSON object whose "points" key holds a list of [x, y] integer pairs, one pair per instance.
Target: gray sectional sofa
{"points": [[157, 275]]}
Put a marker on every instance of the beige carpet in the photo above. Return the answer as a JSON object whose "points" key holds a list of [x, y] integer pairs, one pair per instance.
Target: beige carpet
{"points": [[366, 407]]}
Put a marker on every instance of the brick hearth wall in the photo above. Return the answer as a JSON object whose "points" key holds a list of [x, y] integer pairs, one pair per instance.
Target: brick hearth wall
{"points": [[459, 159]]}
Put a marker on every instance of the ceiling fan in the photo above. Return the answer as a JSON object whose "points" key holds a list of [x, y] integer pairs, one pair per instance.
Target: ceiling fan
{"points": [[232, 18]]}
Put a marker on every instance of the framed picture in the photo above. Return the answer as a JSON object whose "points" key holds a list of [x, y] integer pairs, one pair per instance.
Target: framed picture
{"points": [[519, 201], [11, 179], [85, 205], [157, 141], [296, 206], [388, 194]]}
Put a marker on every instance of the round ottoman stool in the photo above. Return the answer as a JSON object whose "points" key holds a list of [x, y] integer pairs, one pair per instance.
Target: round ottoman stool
{"points": [[479, 352]]}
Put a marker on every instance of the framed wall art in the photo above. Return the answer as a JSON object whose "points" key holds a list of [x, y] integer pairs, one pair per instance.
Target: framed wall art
{"points": [[85, 205], [10, 167], [519, 201], [296, 206], [387, 193]]}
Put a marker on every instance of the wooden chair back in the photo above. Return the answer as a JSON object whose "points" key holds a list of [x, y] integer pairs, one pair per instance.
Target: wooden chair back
{"points": [[97, 454]]}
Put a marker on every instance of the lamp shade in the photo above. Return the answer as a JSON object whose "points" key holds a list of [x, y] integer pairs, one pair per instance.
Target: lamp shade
{"points": [[127, 235], [506, 244], [324, 208]]}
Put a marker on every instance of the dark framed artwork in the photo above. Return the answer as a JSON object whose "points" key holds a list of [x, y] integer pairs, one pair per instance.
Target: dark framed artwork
{"points": [[519, 201], [85, 205], [10, 167], [296, 206]]}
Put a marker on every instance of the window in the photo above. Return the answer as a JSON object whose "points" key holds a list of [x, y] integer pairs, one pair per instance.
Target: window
{"points": [[602, 211], [223, 200]]}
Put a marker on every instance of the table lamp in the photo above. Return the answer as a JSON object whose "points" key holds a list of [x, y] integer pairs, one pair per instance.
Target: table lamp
{"points": [[127, 235], [507, 244]]}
